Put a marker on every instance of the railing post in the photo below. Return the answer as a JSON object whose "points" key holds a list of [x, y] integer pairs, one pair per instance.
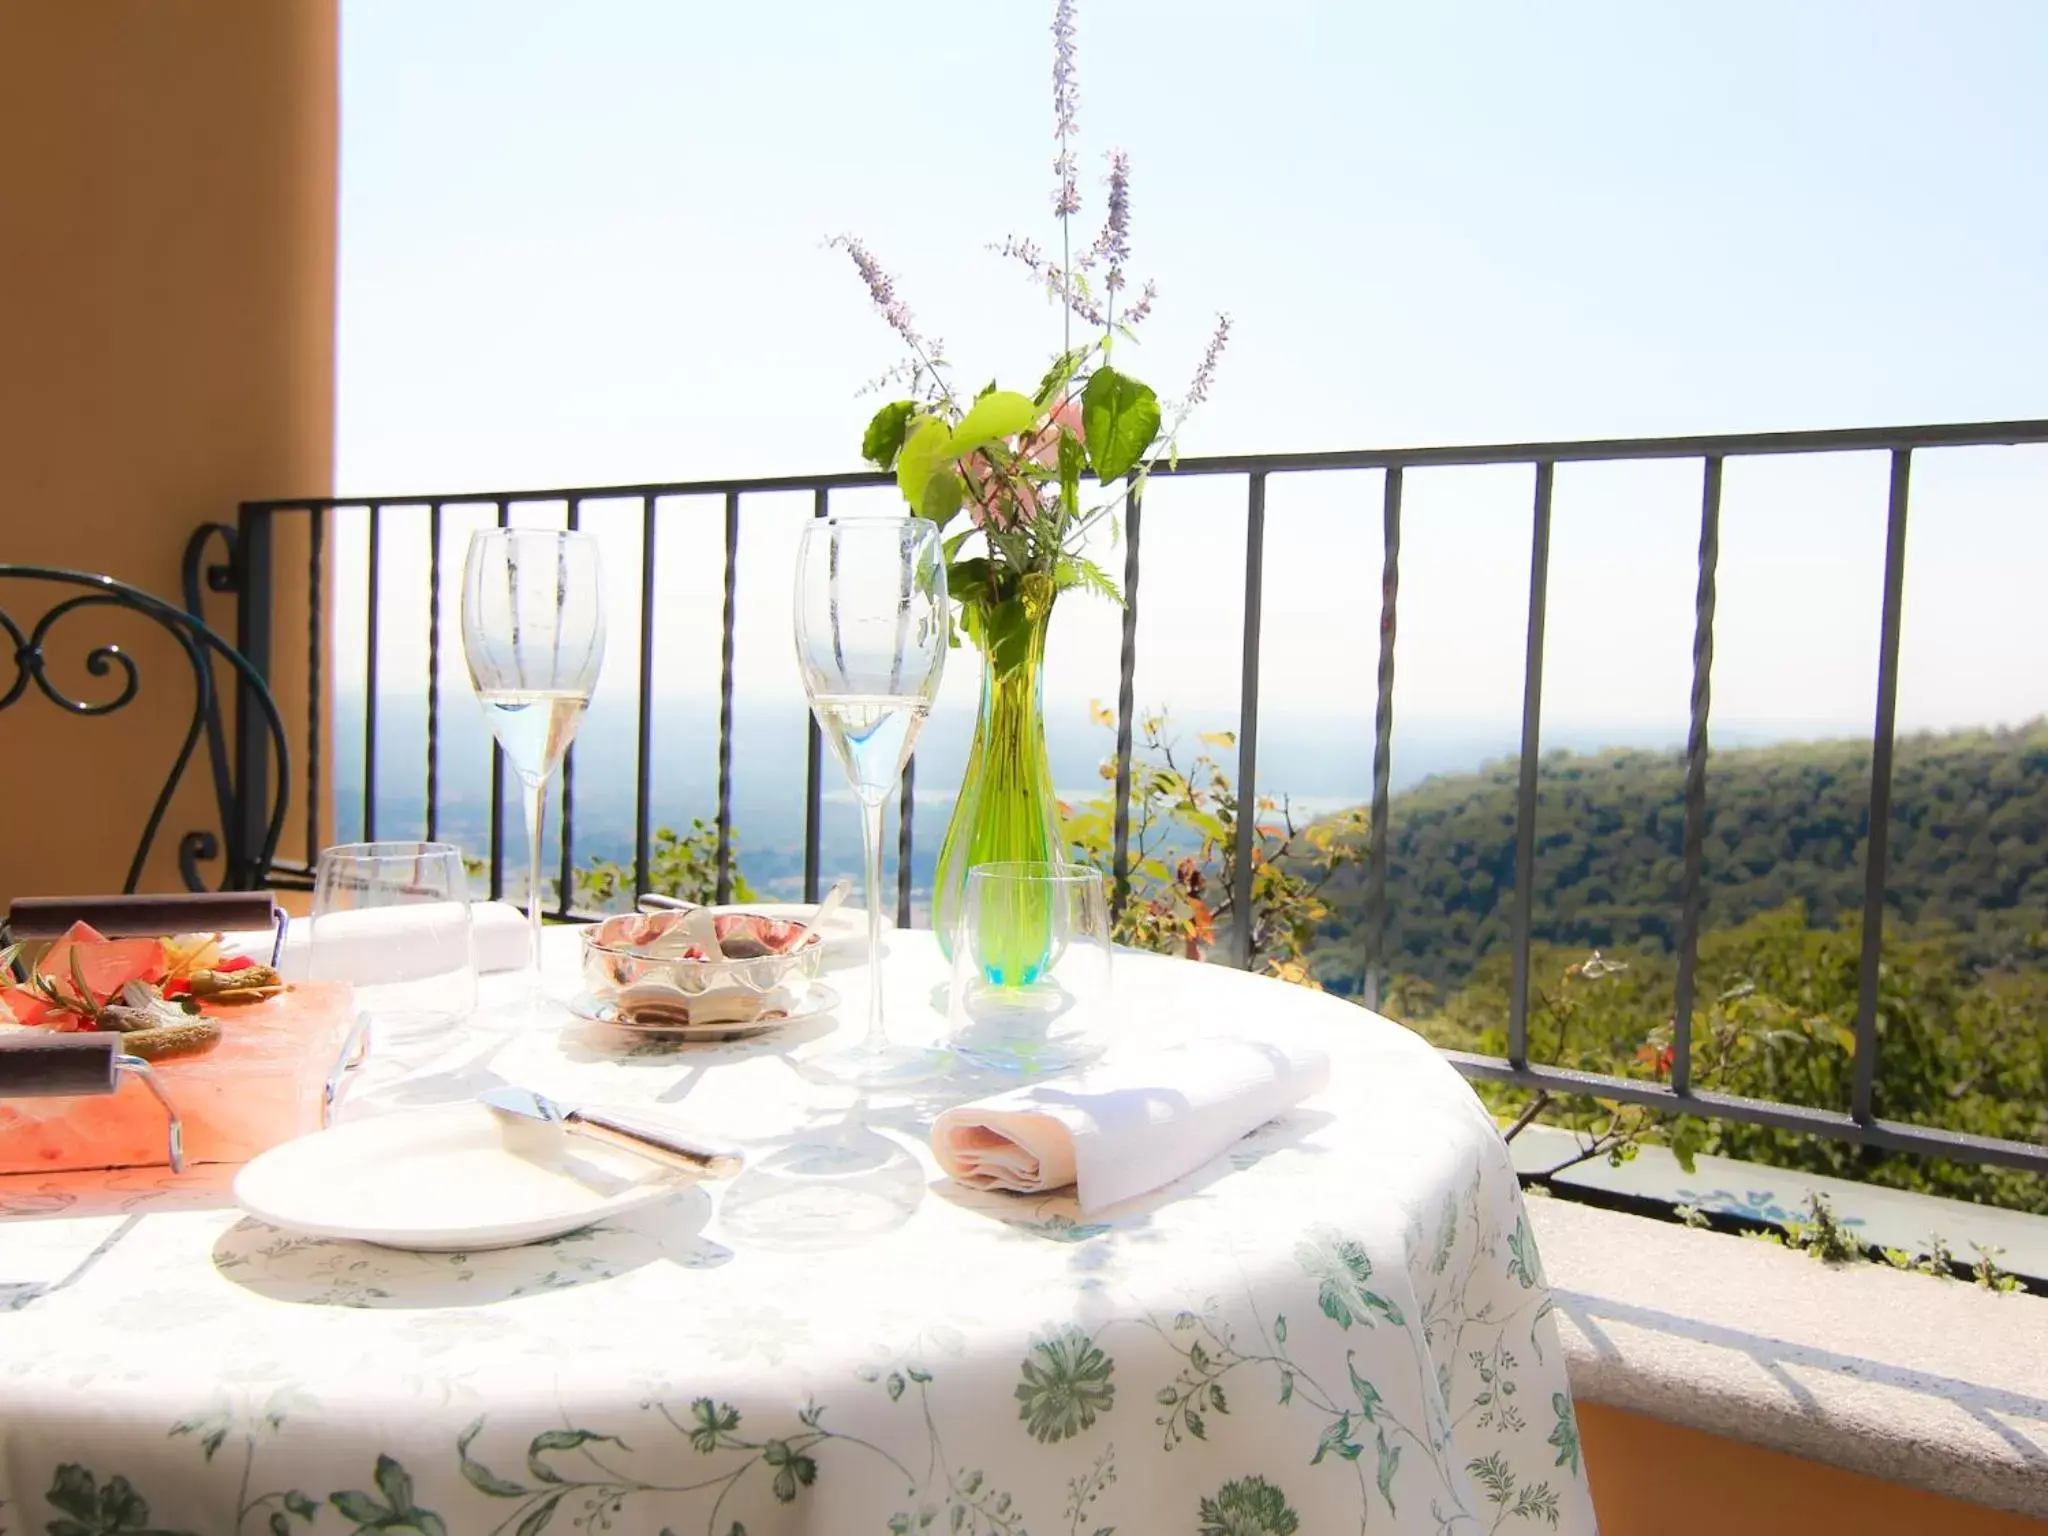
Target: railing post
{"points": [[1696, 775], [246, 833], [725, 661], [565, 879], [316, 649], [1248, 717], [1126, 706], [643, 752], [1875, 849], [375, 585], [434, 672], [1532, 747], [1382, 743], [498, 772], [906, 813], [814, 756]]}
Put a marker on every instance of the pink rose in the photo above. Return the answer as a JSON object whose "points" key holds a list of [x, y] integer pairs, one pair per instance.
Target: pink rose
{"points": [[986, 502]]}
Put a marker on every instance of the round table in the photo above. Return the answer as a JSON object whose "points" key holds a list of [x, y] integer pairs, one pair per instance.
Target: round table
{"points": [[1340, 1324]]}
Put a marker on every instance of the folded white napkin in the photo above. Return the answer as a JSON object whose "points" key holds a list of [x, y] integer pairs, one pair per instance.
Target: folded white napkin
{"points": [[1129, 1126], [498, 932]]}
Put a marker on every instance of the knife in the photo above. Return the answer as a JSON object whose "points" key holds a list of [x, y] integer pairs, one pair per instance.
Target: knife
{"points": [[706, 1159]]}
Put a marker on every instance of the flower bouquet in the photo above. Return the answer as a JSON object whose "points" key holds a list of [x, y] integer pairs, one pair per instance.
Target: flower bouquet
{"points": [[1017, 482]]}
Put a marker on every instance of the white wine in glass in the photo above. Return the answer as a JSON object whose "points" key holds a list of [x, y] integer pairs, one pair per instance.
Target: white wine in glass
{"points": [[871, 636], [533, 635]]}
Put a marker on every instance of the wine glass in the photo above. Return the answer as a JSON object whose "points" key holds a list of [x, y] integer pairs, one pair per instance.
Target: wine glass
{"points": [[871, 638], [393, 920], [533, 634]]}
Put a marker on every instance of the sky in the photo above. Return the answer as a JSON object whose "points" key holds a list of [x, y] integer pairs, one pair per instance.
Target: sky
{"points": [[585, 245]]}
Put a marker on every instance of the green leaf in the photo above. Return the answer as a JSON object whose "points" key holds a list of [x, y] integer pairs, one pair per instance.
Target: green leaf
{"points": [[538, 1518], [121, 1507], [1059, 376], [1217, 1400], [895, 1385], [305, 1506], [1333, 1438], [884, 437], [1286, 1388], [1368, 1394], [793, 1469], [1390, 1463], [1331, 1298], [1074, 571], [1385, 1308], [1073, 459], [1120, 418], [1195, 1425], [925, 449], [280, 1525], [999, 414], [561, 1440], [74, 1491], [1280, 1329], [395, 1483], [361, 1508], [476, 1474], [944, 494]]}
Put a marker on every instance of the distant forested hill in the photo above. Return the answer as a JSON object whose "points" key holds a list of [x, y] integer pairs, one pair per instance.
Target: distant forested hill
{"points": [[1784, 824]]}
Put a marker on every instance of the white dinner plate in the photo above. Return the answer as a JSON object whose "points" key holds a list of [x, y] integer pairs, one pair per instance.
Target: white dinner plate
{"points": [[453, 1179]]}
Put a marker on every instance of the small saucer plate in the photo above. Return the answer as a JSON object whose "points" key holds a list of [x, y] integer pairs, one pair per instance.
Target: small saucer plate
{"points": [[817, 1000], [453, 1179]]}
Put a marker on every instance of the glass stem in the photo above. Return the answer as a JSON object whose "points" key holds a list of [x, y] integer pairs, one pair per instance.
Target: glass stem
{"points": [[871, 846], [536, 805]]}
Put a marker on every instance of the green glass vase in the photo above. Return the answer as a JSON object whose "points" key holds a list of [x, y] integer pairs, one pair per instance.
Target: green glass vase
{"points": [[1006, 810]]}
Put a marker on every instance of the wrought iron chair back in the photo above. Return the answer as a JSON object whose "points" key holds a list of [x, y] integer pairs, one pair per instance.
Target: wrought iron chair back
{"points": [[30, 642]]}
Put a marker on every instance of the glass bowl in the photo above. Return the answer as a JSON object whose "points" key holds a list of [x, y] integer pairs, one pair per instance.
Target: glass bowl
{"points": [[657, 970]]}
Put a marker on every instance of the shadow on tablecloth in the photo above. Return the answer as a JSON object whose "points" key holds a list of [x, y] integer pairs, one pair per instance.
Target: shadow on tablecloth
{"points": [[322, 1272]]}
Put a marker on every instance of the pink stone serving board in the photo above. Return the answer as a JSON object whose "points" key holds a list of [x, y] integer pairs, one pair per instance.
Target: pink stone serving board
{"points": [[260, 1086]]}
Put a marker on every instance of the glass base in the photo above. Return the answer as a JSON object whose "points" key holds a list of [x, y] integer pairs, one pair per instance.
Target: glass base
{"points": [[839, 1187], [1031, 1058], [524, 1003], [877, 1064]]}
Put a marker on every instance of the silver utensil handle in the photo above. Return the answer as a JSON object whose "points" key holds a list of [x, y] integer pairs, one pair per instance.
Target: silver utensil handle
{"points": [[706, 1159]]}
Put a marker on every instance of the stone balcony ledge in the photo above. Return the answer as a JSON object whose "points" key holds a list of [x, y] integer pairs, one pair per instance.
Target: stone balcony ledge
{"points": [[1931, 1383]]}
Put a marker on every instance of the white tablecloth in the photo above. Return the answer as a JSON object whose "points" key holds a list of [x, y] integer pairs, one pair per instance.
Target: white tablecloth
{"points": [[1342, 1324]]}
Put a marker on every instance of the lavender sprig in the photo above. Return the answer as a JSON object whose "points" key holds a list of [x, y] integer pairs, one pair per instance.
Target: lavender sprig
{"points": [[1059, 283], [1066, 107], [882, 289], [1205, 375], [1113, 245], [1143, 307]]}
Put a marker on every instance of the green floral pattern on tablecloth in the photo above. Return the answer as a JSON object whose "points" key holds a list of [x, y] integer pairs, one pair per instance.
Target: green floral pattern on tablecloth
{"points": [[1284, 1345]]}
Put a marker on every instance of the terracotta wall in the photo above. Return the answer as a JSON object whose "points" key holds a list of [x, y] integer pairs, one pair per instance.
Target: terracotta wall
{"points": [[167, 248], [1654, 1479]]}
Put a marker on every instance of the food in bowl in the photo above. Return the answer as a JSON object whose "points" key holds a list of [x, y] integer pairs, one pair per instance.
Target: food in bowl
{"points": [[677, 970]]}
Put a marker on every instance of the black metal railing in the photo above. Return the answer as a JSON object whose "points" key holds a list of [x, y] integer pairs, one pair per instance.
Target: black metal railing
{"points": [[1860, 1124]]}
